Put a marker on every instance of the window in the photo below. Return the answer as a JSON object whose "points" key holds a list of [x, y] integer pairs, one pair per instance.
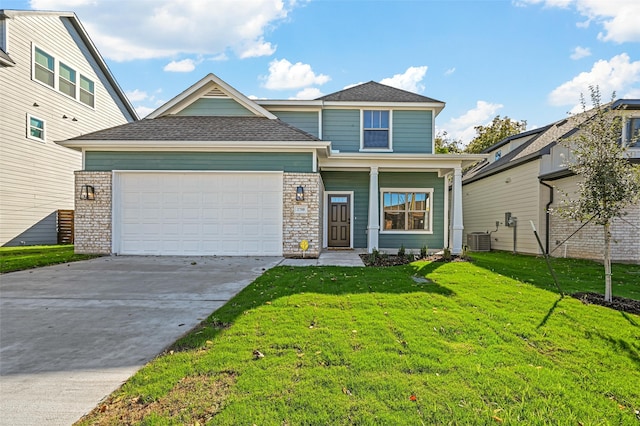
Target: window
{"points": [[44, 68], [35, 128], [407, 210], [375, 129], [498, 155], [67, 80], [633, 132], [87, 94]]}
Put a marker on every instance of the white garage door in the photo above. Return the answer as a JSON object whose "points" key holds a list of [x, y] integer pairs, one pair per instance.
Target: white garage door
{"points": [[216, 213]]}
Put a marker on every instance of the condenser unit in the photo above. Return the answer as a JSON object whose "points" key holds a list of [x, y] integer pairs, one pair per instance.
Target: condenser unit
{"points": [[479, 241]]}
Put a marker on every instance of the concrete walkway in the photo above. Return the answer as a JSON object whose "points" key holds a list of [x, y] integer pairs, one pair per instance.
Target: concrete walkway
{"points": [[330, 258]]}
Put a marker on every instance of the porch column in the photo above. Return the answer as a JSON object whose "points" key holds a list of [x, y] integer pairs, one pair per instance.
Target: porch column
{"points": [[457, 227], [374, 210]]}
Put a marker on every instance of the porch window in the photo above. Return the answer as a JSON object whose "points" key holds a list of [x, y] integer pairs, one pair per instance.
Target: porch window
{"points": [[407, 210], [375, 129]]}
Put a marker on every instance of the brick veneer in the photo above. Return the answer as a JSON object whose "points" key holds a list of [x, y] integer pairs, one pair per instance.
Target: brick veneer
{"points": [[93, 217], [298, 226]]}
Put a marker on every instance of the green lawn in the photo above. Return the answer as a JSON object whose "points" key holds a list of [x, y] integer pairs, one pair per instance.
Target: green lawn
{"points": [[475, 344], [27, 257]]}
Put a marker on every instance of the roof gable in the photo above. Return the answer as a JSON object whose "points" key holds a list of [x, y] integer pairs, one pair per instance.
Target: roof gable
{"points": [[376, 92], [210, 88]]}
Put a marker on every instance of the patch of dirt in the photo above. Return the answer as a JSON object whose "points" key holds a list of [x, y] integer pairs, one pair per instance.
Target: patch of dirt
{"points": [[395, 260], [193, 400], [618, 303]]}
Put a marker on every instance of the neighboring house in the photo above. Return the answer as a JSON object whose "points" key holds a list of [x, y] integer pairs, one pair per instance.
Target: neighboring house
{"points": [[213, 172], [525, 175], [54, 85]]}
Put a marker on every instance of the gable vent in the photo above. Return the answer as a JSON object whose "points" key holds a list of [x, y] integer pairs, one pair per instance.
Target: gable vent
{"points": [[216, 92]]}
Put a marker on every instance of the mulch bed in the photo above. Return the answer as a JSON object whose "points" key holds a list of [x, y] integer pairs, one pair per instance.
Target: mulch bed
{"points": [[618, 303], [395, 260]]}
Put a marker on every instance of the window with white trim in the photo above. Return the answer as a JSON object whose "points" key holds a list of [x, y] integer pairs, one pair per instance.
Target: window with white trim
{"points": [[375, 129], [35, 128], [44, 68], [632, 138], [407, 210], [62, 77]]}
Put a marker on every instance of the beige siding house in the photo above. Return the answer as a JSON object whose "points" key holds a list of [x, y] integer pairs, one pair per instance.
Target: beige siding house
{"points": [[525, 176], [54, 85]]}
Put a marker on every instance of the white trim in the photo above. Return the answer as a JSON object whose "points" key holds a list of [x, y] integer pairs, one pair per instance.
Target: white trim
{"points": [[44, 128], [325, 212], [389, 130], [429, 191], [445, 231]]}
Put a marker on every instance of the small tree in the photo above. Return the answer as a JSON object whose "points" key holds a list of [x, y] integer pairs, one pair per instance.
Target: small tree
{"points": [[446, 145], [609, 182], [493, 133]]}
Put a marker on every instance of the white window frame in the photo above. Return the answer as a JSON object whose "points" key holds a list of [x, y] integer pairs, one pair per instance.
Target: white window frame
{"points": [[57, 77], [390, 131], [626, 137], [74, 83], [80, 90], [44, 129], [429, 214]]}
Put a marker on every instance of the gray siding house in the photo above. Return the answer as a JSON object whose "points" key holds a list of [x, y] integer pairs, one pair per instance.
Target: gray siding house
{"points": [[525, 176], [213, 172], [54, 85]]}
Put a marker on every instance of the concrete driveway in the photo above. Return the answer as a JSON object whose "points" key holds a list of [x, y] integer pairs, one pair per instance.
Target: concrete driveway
{"points": [[71, 334]]}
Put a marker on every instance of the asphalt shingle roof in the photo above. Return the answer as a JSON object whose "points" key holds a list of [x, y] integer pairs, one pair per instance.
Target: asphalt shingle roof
{"points": [[202, 128], [375, 92]]}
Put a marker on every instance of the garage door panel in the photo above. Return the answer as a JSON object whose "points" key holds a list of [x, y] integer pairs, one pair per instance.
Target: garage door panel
{"points": [[199, 213]]}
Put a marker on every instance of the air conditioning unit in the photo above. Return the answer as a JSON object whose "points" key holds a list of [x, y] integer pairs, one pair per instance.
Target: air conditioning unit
{"points": [[479, 241]]}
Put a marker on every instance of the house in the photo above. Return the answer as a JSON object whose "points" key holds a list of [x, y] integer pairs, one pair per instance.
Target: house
{"points": [[213, 172], [525, 176], [54, 85]]}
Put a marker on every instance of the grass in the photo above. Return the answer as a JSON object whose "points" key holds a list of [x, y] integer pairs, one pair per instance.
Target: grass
{"points": [[19, 258], [471, 343]]}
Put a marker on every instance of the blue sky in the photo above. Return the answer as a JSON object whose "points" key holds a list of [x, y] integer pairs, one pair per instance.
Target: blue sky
{"points": [[525, 59]]}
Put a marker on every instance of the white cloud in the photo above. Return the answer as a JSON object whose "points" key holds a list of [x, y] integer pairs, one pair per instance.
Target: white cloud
{"points": [[308, 93], [618, 74], [285, 75], [580, 52], [145, 29], [185, 65], [450, 71], [136, 95], [462, 128], [143, 111], [410, 80], [619, 18]]}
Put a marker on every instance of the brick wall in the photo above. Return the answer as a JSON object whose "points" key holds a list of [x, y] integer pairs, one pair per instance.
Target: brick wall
{"points": [[588, 243], [93, 217], [302, 220]]}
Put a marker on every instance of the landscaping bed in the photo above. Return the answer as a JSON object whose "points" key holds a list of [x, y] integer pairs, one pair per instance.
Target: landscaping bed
{"points": [[618, 303]]}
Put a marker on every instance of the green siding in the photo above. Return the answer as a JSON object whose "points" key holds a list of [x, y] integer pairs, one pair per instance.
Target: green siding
{"points": [[258, 161], [416, 180], [217, 107], [358, 182], [303, 120], [412, 131], [342, 128]]}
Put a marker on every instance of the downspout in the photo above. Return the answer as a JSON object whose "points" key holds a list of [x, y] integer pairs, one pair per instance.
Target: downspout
{"points": [[547, 218]]}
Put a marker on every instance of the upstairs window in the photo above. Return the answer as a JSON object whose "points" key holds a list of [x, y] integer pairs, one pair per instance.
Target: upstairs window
{"points": [[407, 210], [35, 128], [44, 68], [87, 94], [67, 80], [375, 129], [633, 132], [498, 155]]}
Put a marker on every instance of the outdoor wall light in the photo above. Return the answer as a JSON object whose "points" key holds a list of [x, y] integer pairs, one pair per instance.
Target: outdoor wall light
{"points": [[300, 193], [87, 193]]}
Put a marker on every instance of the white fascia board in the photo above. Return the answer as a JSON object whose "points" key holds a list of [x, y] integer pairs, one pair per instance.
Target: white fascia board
{"points": [[321, 147], [390, 162], [184, 99], [289, 103]]}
